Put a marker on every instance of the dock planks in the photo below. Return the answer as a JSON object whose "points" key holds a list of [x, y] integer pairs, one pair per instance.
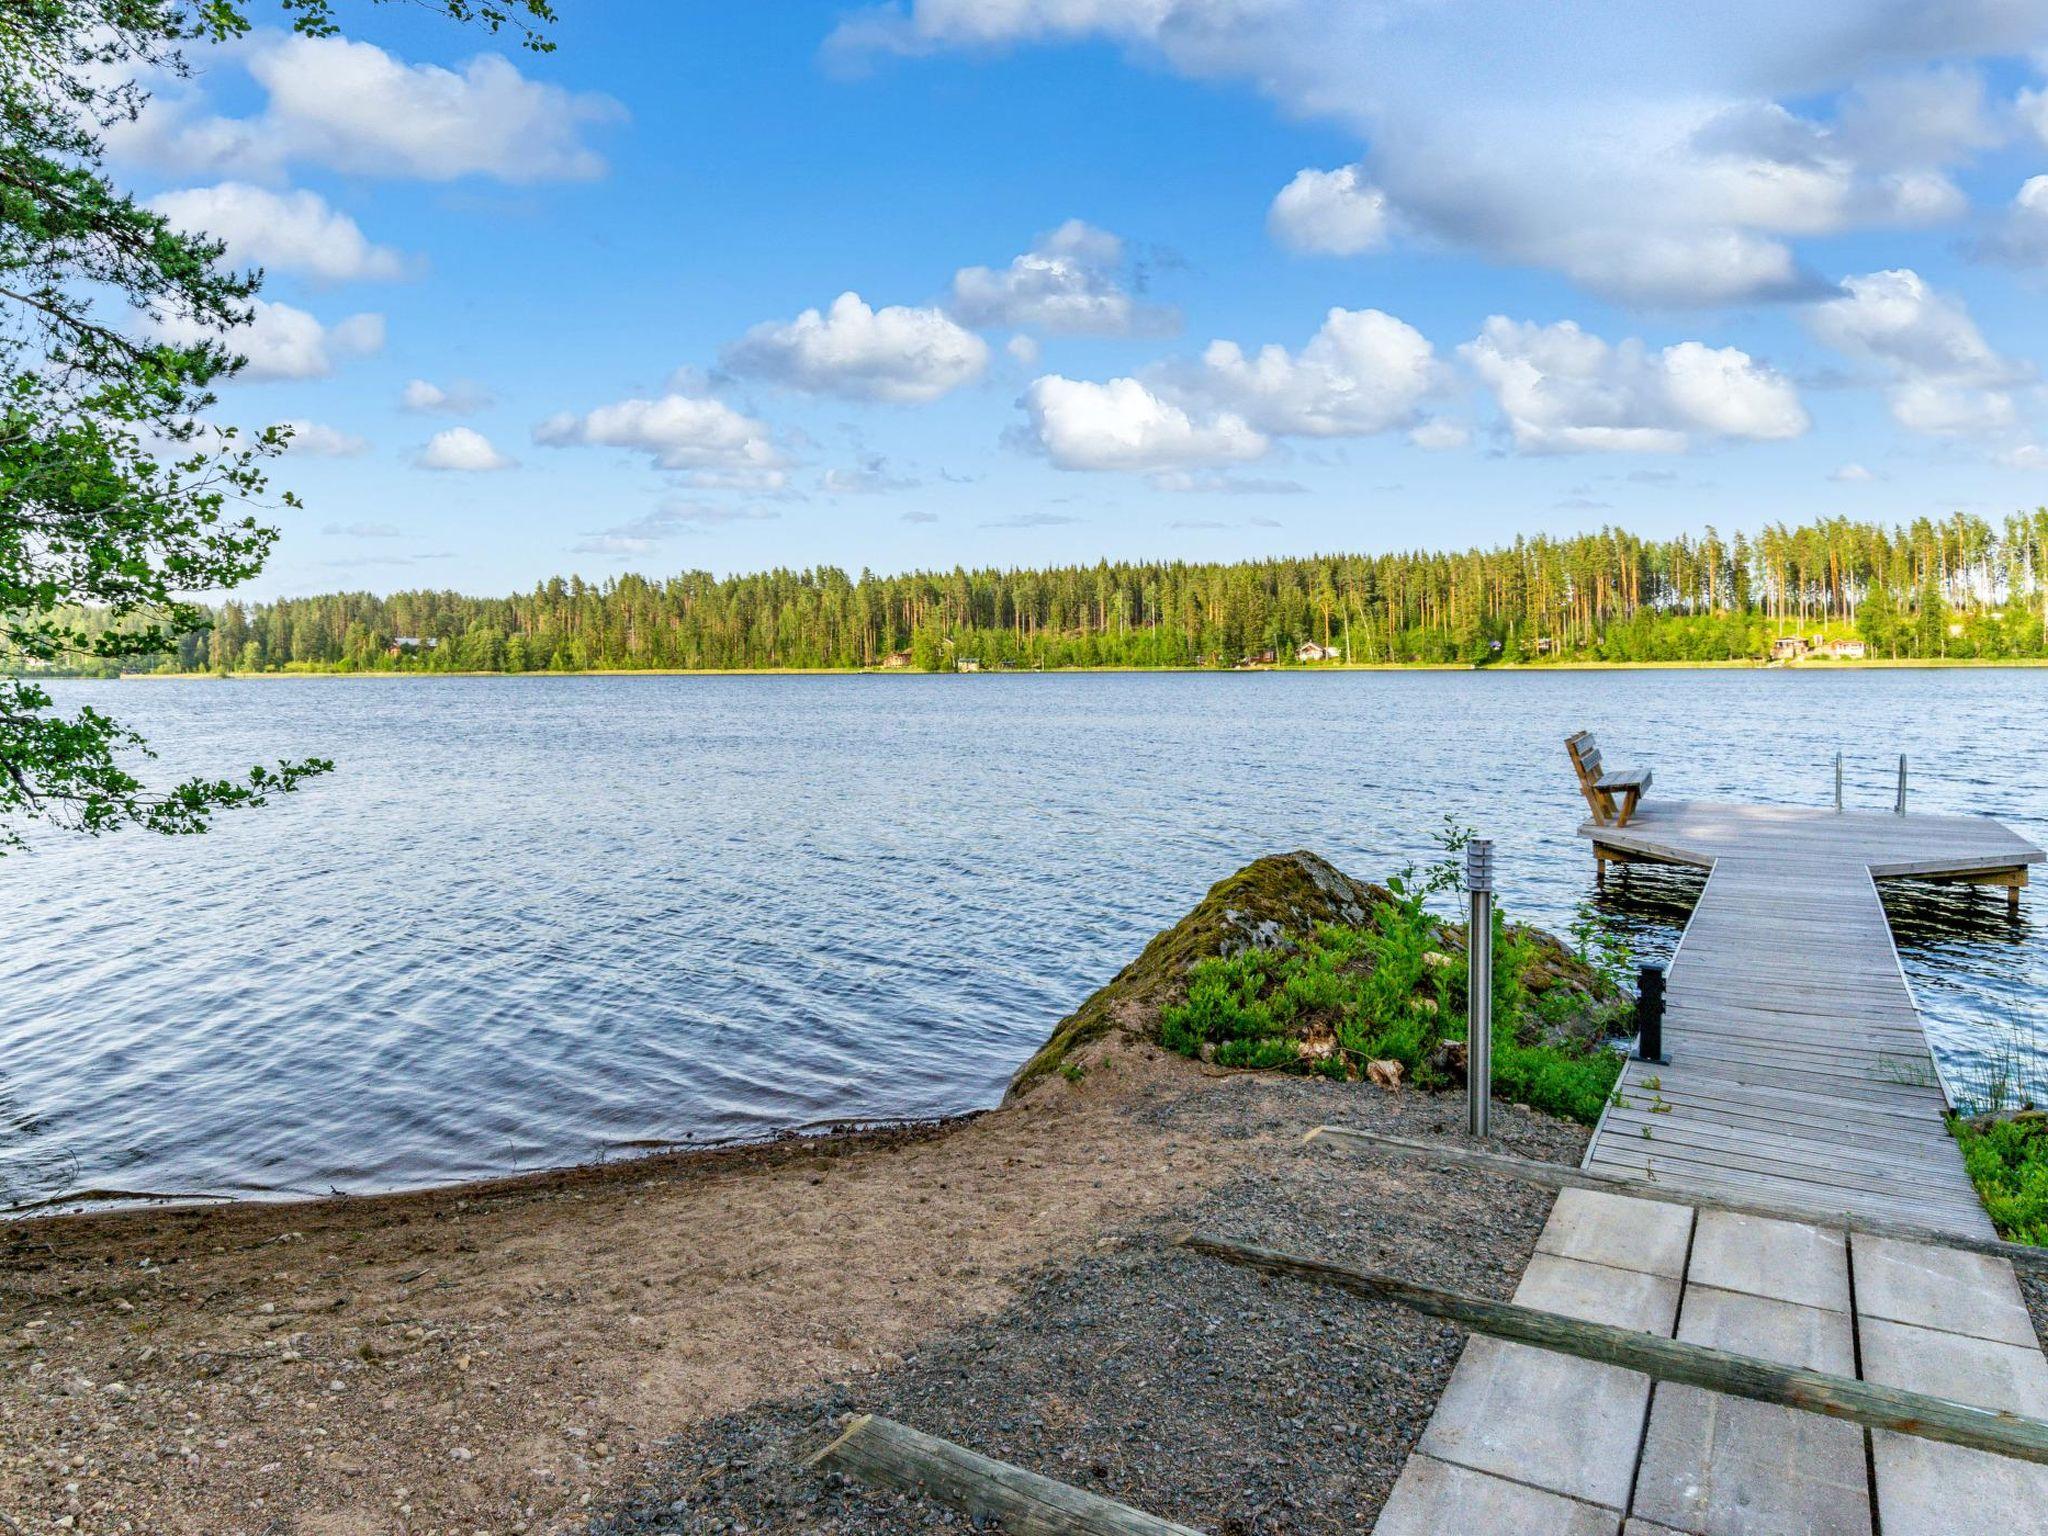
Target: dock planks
{"points": [[1798, 1060], [1799, 1074]]}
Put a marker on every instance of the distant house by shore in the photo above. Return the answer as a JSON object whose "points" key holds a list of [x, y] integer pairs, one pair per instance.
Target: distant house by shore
{"points": [[967, 664], [1310, 651], [411, 645], [1844, 650], [896, 661], [1264, 658], [1789, 648]]}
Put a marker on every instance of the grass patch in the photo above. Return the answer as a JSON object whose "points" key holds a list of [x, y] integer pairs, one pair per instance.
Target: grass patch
{"points": [[1394, 987], [2008, 1162], [2002, 1132]]}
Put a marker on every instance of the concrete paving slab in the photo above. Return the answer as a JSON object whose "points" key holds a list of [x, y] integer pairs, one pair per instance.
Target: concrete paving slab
{"points": [[1784, 1260], [1621, 1298], [1943, 1288], [1925, 1488], [1563, 1424], [1726, 1466], [1433, 1497], [1619, 1231]]}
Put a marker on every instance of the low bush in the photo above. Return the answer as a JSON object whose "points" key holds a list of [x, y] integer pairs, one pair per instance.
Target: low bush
{"points": [[1394, 987]]}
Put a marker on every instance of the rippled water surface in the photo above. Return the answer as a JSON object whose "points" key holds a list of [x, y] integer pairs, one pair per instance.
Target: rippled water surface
{"points": [[534, 920]]}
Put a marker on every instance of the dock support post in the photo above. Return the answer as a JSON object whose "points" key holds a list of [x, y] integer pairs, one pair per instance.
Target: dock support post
{"points": [[1479, 986], [1650, 1015], [1838, 783], [1900, 808]]}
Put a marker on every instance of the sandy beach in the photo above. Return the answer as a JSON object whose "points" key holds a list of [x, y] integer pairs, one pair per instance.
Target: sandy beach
{"points": [[507, 1357]]}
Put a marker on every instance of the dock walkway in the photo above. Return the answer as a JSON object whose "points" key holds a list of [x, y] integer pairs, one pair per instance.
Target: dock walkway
{"points": [[1799, 1073], [1798, 1062]]}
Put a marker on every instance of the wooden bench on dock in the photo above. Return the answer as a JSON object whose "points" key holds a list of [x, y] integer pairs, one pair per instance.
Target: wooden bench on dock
{"points": [[1601, 786]]}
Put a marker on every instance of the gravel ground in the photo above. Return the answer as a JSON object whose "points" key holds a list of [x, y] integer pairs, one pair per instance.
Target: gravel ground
{"points": [[1234, 1402]]}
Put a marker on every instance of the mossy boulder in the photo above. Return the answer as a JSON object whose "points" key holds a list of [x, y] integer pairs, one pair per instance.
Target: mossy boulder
{"points": [[1276, 904], [1272, 904]]}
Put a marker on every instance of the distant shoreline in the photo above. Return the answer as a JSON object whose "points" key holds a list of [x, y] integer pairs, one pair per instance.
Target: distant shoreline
{"points": [[1880, 664]]}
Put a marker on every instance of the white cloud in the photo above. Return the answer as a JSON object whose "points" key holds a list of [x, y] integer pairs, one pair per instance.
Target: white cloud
{"points": [[463, 449], [289, 231], [355, 108], [1945, 378], [315, 440], [1329, 213], [1124, 425], [2025, 456], [1069, 283], [1566, 391], [2021, 235], [1023, 349], [1851, 474], [1210, 482], [1363, 372], [705, 438], [282, 342], [1600, 150], [458, 399], [1439, 434], [871, 476], [897, 353], [643, 535]]}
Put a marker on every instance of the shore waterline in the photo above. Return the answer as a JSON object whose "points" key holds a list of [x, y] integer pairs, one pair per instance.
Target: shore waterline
{"points": [[537, 920]]}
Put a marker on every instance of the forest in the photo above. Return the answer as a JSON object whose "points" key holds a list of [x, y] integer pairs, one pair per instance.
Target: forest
{"points": [[1956, 588]]}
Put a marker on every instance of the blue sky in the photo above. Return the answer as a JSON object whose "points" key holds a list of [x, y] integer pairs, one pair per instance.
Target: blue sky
{"points": [[1195, 278]]}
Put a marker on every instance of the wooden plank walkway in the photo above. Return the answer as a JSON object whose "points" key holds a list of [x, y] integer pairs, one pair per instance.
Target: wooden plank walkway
{"points": [[1798, 1061], [1799, 1073]]}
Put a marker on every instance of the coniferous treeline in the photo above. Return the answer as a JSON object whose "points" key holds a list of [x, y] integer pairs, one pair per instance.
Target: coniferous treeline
{"points": [[1955, 588]]}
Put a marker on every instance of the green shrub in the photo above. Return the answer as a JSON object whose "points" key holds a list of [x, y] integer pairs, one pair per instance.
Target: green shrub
{"points": [[2008, 1162], [1390, 990]]}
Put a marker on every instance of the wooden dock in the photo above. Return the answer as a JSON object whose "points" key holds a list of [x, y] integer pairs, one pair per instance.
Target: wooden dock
{"points": [[1798, 1064], [1799, 1075]]}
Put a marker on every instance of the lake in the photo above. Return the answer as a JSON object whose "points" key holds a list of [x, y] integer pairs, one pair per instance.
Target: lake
{"points": [[537, 920]]}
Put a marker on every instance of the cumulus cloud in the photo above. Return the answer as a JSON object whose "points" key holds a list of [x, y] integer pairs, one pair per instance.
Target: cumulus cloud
{"points": [[896, 353], [1123, 425], [2021, 235], [458, 399], [706, 439], [1850, 474], [1329, 213], [464, 450], [314, 440], [1069, 283], [289, 231], [1363, 372], [1945, 378], [1606, 152], [1564, 390], [282, 342], [355, 108]]}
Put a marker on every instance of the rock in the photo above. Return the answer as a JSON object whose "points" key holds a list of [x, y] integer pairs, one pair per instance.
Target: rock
{"points": [[1448, 1059], [1269, 904]]}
